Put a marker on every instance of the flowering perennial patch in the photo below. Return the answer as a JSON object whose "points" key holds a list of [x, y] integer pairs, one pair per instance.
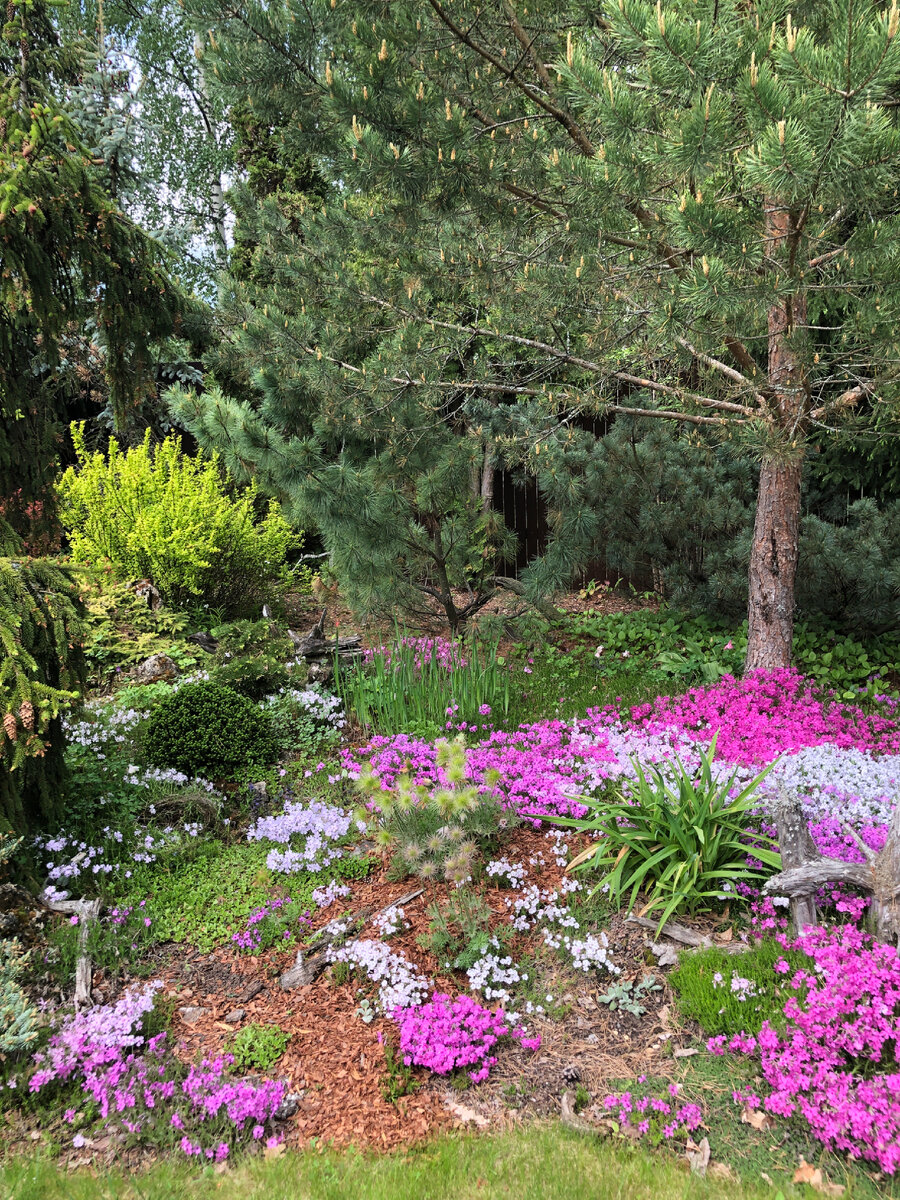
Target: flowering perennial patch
{"points": [[836, 1064], [445, 1035], [311, 832], [137, 1084], [649, 1114]]}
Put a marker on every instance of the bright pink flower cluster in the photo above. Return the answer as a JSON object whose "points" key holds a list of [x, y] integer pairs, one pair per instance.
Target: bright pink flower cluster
{"points": [[765, 714], [836, 1064], [539, 767], [654, 1113], [445, 1034]]}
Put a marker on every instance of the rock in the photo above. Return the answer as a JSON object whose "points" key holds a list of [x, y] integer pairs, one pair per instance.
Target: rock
{"points": [[204, 640], [571, 1073], [155, 668], [251, 990], [288, 1106], [192, 1013], [666, 954], [236, 1014]]}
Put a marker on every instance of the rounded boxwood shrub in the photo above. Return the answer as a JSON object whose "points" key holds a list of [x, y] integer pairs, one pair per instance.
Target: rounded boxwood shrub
{"points": [[210, 730]]}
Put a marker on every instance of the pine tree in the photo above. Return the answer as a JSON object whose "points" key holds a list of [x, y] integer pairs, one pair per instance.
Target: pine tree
{"points": [[70, 259], [682, 210]]}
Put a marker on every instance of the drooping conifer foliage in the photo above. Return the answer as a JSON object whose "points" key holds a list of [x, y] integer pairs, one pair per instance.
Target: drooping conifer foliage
{"points": [[70, 259], [41, 669], [683, 210]]}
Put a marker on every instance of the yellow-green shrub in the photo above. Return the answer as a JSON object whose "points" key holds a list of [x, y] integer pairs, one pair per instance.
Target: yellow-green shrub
{"points": [[158, 514]]}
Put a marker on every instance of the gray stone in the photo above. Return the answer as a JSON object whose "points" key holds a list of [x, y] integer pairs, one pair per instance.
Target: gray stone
{"points": [[236, 1014], [156, 667], [288, 1106], [192, 1013]]}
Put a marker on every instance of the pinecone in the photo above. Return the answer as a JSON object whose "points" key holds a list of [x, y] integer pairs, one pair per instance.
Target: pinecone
{"points": [[10, 727], [26, 712], [571, 1074]]}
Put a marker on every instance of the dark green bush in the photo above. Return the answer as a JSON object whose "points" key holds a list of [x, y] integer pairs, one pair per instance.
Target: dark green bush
{"points": [[209, 730]]}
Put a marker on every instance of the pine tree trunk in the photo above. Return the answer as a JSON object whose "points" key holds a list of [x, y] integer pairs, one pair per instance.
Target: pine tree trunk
{"points": [[776, 529], [773, 565]]}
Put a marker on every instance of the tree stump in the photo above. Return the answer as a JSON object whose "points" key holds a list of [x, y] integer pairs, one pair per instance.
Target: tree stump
{"points": [[805, 870]]}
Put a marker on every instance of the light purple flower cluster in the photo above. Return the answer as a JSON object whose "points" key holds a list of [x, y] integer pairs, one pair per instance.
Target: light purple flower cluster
{"points": [[319, 826], [649, 1113], [138, 1083], [445, 1035], [400, 983], [836, 1063], [324, 897]]}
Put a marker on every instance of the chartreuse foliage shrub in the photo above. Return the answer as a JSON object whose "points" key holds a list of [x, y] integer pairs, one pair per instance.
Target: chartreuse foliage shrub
{"points": [[209, 730], [157, 514], [679, 836], [41, 671]]}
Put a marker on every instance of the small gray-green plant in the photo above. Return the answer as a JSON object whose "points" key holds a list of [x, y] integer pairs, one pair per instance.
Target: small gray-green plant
{"points": [[435, 832], [582, 1098], [628, 995], [365, 1011], [258, 1047], [459, 929]]}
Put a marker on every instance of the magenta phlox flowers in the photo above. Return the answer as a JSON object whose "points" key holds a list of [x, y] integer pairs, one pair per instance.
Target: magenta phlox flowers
{"points": [[836, 1063], [136, 1081], [445, 1035]]}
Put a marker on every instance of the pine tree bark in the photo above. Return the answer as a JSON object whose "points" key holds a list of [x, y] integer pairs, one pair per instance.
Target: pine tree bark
{"points": [[776, 529]]}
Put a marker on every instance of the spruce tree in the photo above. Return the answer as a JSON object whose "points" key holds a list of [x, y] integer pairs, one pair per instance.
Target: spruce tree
{"points": [[70, 259], [684, 211]]}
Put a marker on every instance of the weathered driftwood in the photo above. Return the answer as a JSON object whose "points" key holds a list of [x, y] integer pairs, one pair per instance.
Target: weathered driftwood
{"points": [[315, 645], [687, 937], [806, 870], [87, 912]]}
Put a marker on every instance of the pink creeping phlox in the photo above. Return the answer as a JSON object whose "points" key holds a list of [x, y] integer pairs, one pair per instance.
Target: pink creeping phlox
{"points": [[445, 1034], [652, 1111], [836, 1064], [136, 1080]]}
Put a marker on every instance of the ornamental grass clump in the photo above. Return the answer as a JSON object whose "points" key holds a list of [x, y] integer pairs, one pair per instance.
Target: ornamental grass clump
{"points": [[426, 684], [434, 832], [680, 836]]}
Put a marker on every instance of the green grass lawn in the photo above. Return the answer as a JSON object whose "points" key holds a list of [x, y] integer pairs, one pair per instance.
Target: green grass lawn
{"points": [[542, 1163]]}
